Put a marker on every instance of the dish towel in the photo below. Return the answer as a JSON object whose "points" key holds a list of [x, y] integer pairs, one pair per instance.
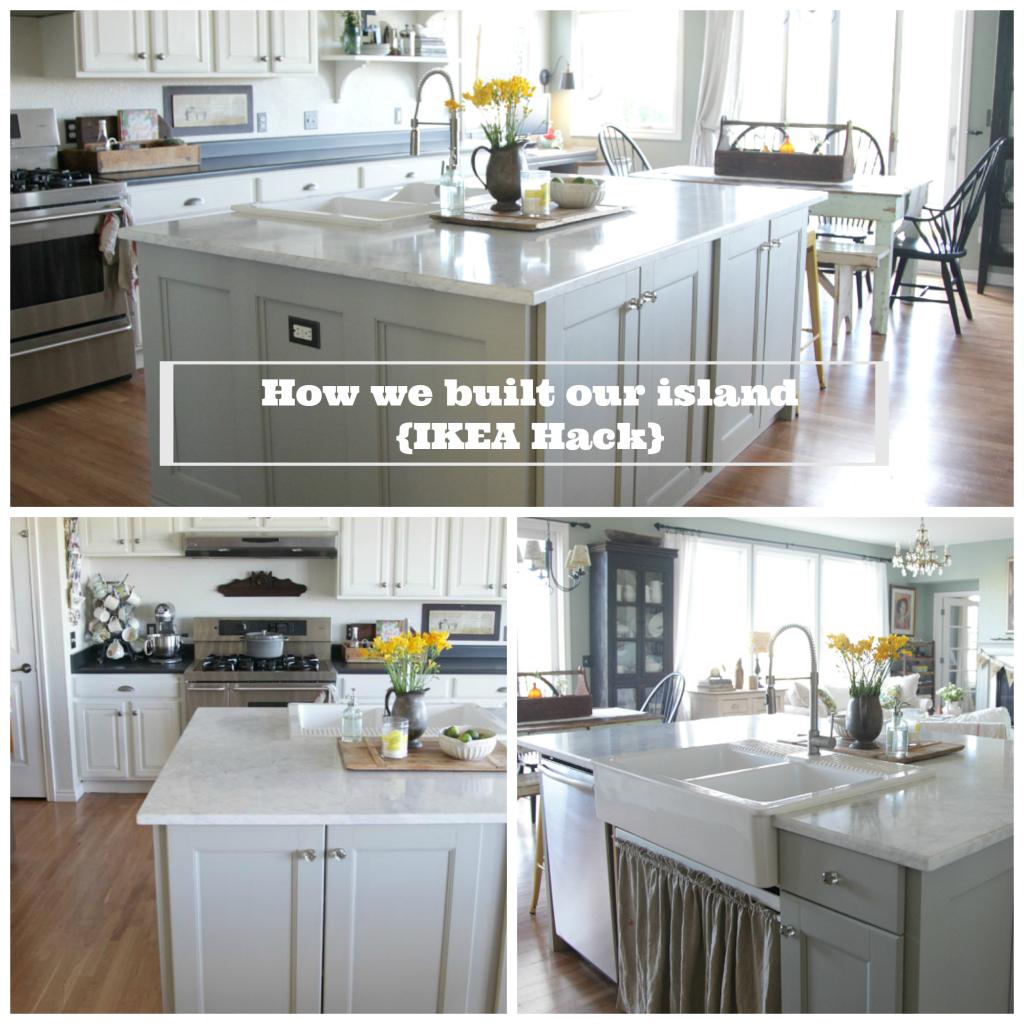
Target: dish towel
{"points": [[122, 252]]}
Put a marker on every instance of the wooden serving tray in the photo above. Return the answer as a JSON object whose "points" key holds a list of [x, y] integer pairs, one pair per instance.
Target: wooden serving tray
{"points": [[918, 751], [485, 217], [366, 757], [118, 161]]}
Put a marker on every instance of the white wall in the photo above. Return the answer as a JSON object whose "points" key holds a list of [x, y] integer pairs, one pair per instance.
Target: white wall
{"points": [[190, 585], [368, 99]]}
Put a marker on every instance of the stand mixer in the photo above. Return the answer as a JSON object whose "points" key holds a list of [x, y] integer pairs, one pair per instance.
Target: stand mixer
{"points": [[163, 641]]}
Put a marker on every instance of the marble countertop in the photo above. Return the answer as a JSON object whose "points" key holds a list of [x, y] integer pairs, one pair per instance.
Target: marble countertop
{"points": [[966, 806], [239, 767], [521, 267]]}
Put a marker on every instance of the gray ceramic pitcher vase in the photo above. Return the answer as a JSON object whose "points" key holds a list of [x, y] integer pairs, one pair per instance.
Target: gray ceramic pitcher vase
{"points": [[503, 178], [412, 706]]}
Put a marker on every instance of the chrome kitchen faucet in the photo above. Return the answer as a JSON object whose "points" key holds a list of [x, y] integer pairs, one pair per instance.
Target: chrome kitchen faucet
{"points": [[815, 741], [452, 122]]}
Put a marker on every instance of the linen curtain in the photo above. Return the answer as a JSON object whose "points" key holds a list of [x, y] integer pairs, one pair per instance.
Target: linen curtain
{"points": [[686, 545], [689, 944], [719, 81]]}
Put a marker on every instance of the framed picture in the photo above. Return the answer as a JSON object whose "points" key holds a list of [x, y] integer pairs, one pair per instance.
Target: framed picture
{"points": [[208, 109], [388, 629], [1009, 595], [464, 621], [902, 610]]}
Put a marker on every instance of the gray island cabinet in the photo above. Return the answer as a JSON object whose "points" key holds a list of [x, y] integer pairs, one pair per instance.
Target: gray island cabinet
{"points": [[287, 884], [692, 275]]}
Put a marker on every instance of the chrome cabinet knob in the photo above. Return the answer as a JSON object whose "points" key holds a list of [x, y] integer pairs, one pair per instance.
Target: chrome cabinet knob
{"points": [[787, 931], [648, 297], [120, 540], [382, 585], [279, 58], [830, 877], [161, 56], [135, 714], [26, 667], [490, 586], [307, 855], [338, 854], [142, 56], [120, 714], [264, 58]]}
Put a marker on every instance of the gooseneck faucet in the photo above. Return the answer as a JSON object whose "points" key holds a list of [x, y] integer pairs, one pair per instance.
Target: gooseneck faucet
{"points": [[815, 741], [452, 122]]}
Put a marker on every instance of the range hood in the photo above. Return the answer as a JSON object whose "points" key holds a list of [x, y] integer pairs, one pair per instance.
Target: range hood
{"points": [[261, 545]]}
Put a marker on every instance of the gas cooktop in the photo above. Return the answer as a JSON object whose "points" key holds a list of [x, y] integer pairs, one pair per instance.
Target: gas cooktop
{"points": [[246, 663], [42, 179]]}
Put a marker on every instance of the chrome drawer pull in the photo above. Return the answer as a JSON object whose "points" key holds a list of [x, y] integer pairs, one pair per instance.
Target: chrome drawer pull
{"points": [[194, 201], [126, 689], [830, 877]]}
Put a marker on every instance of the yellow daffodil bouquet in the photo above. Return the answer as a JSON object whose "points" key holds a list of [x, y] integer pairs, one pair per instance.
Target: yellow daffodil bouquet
{"points": [[504, 106], [411, 658], [868, 661]]}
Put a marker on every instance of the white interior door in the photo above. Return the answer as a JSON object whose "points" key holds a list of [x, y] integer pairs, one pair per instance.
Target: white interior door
{"points": [[28, 773], [957, 646]]}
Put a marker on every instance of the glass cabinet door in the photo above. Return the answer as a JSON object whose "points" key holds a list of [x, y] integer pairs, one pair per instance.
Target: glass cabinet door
{"points": [[627, 621], [654, 625]]}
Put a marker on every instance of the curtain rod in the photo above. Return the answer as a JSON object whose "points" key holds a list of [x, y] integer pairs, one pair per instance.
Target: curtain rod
{"points": [[566, 522], [667, 528]]}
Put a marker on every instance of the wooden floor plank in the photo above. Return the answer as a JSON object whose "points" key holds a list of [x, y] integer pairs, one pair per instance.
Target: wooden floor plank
{"points": [[549, 982], [83, 908], [951, 423]]}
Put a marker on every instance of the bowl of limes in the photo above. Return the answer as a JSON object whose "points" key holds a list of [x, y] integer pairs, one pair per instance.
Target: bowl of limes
{"points": [[576, 193], [467, 743]]}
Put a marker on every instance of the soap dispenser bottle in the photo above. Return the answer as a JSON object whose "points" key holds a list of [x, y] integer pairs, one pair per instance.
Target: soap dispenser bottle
{"points": [[352, 721], [452, 192]]}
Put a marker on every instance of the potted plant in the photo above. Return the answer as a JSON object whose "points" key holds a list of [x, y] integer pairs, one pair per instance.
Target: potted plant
{"points": [[951, 696], [505, 108], [411, 659], [867, 663], [351, 33]]}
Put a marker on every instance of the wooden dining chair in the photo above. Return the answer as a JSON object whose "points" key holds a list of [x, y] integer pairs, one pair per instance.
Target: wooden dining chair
{"points": [[666, 697], [814, 303], [942, 238], [757, 136], [619, 151]]}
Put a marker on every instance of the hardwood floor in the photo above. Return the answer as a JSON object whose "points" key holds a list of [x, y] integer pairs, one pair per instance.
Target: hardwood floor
{"points": [[83, 910], [549, 982], [950, 417]]}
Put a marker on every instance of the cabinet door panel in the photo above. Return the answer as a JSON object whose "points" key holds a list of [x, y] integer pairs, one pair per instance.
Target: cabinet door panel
{"points": [[103, 535], [242, 41], [246, 918], [293, 41], [364, 561], [156, 726], [784, 303], [113, 41], [434, 890], [180, 41], [101, 738], [421, 547], [740, 292], [836, 964], [156, 535], [674, 327], [474, 555]]}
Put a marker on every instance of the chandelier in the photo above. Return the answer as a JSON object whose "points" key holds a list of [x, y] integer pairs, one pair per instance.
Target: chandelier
{"points": [[541, 562], [921, 557]]}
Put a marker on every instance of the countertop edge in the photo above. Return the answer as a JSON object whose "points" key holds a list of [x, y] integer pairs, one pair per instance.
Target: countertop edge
{"points": [[381, 818]]}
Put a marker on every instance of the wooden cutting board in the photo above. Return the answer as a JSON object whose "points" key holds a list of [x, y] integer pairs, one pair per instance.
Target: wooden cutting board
{"points": [[366, 757], [485, 217], [918, 751]]}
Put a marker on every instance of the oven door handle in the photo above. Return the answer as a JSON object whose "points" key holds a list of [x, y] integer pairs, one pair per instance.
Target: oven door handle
{"points": [[49, 218], [124, 325], [239, 688], [205, 688]]}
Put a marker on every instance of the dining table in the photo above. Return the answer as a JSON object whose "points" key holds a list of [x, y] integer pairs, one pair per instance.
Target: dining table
{"points": [[883, 198]]}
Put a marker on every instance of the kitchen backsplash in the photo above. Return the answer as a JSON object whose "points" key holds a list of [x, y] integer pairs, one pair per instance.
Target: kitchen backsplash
{"points": [[190, 585], [369, 98]]}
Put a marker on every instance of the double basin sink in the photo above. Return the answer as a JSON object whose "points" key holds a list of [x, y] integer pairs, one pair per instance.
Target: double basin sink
{"points": [[715, 804], [390, 206]]}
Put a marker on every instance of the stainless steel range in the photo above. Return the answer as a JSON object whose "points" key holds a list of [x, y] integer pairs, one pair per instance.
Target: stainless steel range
{"points": [[223, 675], [71, 321]]}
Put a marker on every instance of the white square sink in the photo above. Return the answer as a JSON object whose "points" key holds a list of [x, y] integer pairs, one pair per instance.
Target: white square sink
{"points": [[715, 804]]}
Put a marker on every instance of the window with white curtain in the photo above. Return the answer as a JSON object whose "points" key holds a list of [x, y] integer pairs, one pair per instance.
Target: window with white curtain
{"points": [[540, 612], [628, 72], [736, 588]]}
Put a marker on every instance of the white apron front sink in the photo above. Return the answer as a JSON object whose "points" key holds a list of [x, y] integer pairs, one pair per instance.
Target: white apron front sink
{"points": [[715, 804]]}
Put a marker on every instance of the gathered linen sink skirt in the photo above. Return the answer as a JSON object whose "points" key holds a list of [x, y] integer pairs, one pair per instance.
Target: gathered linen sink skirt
{"points": [[689, 943]]}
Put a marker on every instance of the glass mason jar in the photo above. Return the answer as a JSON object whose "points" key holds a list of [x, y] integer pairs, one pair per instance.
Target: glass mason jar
{"points": [[897, 735], [394, 737]]}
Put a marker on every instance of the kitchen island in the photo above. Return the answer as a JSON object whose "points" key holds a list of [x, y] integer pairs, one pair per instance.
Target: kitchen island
{"points": [[286, 883], [894, 901], [689, 277]]}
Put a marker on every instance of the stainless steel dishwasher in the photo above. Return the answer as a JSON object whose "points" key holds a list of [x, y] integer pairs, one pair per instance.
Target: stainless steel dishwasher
{"points": [[578, 864]]}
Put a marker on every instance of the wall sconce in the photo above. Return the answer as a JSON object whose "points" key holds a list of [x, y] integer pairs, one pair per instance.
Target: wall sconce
{"points": [[568, 81]]}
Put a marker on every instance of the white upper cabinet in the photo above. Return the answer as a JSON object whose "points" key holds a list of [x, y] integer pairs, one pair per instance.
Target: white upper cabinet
{"points": [[242, 41], [113, 41], [180, 41], [138, 535], [103, 536], [475, 557], [420, 547], [156, 535], [364, 560], [293, 42]]}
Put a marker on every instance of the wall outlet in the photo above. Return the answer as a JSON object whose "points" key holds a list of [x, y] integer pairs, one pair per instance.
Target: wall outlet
{"points": [[303, 332], [587, 661], [261, 122], [71, 131], [72, 642], [309, 120], [398, 115]]}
